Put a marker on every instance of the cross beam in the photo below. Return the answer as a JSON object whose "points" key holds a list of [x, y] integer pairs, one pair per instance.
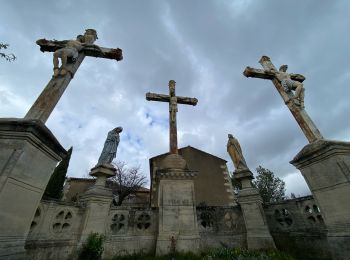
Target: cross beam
{"points": [[83, 46], [92, 51], [173, 100], [270, 72]]}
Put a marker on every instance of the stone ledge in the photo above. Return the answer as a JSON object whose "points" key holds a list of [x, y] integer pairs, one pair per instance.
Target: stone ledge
{"points": [[242, 174], [175, 174], [35, 127], [320, 149]]}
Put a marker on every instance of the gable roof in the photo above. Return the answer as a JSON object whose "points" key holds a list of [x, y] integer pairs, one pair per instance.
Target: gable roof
{"points": [[191, 148]]}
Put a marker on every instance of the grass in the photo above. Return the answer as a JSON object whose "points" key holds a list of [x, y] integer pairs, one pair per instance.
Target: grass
{"points": [[215, 254]]}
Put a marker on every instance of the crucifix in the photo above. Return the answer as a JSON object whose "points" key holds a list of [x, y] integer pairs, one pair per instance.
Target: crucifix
{"points": [[173, 100], [71, 53], [291, 89]]}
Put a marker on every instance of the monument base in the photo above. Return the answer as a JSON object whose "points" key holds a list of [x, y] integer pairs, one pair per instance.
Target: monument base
{"points": [[325, 165], [29, 153], [258, 234], [177, 227], [98, 200]]}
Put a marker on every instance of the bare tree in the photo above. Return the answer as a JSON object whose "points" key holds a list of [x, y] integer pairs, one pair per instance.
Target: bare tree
{"points": [[128, 180], [9, 57]]}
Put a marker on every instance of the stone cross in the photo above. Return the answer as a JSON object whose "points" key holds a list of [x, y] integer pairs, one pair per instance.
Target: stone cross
{"points": [[284, 84], [173, 100], [72, 53]]}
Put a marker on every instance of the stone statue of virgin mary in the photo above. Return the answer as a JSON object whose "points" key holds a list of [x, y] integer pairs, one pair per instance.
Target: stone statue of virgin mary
{"points": [[109, 151]]}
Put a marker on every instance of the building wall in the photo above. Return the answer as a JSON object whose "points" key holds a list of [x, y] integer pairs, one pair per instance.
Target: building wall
{"points": [[212, 172]]}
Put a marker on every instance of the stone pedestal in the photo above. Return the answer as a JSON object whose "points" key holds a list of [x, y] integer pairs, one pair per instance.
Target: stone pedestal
{"points": [[325, 166], [98, 201], [258, 234], [29, 153], [178, 229]]}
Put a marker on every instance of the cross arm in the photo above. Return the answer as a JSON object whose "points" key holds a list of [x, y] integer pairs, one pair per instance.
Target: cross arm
{"points": [[157, 97], [89, 49], [166, 98], [264, 74], [187, 101]]}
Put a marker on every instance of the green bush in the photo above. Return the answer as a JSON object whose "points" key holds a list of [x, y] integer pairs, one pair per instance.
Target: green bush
{"points": [[92, 249]]}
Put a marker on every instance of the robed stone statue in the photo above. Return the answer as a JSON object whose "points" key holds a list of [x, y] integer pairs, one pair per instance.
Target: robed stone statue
{"points": [[235, 152], [109, 151]]}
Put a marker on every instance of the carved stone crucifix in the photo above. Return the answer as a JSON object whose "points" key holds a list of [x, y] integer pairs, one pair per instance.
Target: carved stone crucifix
{"points": [[284, 84], [72, 53], [173, 100]]}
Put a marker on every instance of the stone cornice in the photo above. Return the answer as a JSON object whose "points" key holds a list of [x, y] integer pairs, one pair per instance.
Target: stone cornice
{"points": [[320, 150], [175, 174], [24, 126]]}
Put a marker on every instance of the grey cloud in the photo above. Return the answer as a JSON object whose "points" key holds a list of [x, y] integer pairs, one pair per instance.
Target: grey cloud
{"points": [[205, 47]]}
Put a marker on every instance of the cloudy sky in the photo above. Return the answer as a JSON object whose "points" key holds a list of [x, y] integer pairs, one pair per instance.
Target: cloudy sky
{"points": [[204, 46]]}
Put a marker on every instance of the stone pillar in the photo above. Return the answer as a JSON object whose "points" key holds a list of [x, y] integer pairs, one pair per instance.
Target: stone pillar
{"points": [[29, 153], [258, 234], [325, 166], [98, 201], [177, 227]]}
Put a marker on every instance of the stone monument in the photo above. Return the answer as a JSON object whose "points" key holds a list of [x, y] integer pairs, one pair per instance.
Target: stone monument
{"points": [[99, 198], [285, 84], [258, 234], [72, 54], [29, 151], [324, 164], [177, 227]]}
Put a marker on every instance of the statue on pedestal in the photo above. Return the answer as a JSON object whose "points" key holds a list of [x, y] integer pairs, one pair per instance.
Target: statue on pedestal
{"points": [[110, 147], [235, 152]]}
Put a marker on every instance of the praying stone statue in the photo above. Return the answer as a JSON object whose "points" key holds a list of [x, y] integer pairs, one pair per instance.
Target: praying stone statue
{"points": [[71, 48], [290, 85], [235, 152], [109, 151]]}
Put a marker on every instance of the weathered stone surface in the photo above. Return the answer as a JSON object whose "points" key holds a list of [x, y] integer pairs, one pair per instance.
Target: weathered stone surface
{"points": [[177, 228], [211, 172], [325, 165], [295, 102], [298, 228], [98, 200], [174, 161], [173, 100], [109, 151], [258, 234], [29, 153], [48, 99]]}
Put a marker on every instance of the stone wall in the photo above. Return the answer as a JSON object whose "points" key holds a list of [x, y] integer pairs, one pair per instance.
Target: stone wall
{"points": [[55, 230], [297, 227], [130, 230], [221, 226]]}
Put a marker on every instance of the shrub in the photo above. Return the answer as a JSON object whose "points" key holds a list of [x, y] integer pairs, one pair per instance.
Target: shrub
{"points": [[92, 249]]}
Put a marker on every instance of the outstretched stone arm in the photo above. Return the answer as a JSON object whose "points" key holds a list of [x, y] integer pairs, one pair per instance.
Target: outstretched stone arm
{"points": [[50, 46], [91, 50], [265, 74]]}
